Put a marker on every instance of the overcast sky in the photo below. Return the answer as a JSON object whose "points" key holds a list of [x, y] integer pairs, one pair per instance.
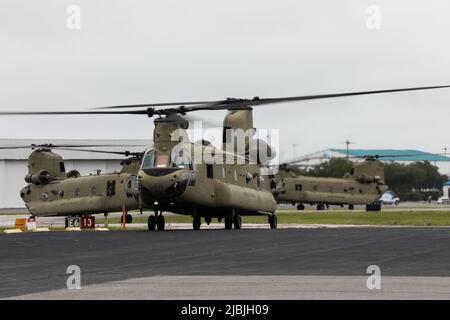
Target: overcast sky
{"points": [[129, 52]]}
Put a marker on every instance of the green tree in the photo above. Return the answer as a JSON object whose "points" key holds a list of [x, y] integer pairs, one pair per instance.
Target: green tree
{"points": [[414, 180]]}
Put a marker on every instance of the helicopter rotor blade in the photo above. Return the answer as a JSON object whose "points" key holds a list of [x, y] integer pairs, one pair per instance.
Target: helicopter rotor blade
{"points": [[62, 113], [368, 156], [125, 153], [228, 104], [237, 104], [65, 146], [376, 156], [148, 105]]}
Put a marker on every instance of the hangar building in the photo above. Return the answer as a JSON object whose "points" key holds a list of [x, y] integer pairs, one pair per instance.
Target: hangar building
{"points": [[13, 163]]}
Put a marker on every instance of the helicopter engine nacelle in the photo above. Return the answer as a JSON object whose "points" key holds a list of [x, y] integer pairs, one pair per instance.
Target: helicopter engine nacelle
{"points": [[42, 177], [73, 174], [368, 171], [261, 152], [363, 178]]}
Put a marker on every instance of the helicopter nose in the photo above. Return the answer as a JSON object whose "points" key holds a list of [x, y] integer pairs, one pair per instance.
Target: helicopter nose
{"points": [[163, 184]]}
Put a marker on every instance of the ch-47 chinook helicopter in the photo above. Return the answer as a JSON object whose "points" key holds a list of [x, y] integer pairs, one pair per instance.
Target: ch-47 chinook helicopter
{"points": [[205, 189], [363, 185], [51, 191]]}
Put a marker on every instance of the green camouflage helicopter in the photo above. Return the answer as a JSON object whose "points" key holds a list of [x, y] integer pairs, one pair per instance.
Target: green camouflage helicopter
{"points": [[51, 191], [200, 180]]}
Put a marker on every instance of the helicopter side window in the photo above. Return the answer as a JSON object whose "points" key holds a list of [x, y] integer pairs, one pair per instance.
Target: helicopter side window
{"points": [[181, 159], [260, 180], [209, 171], [226, 138], [298, 187], [111, 188], [149, 160], [62, 168]]}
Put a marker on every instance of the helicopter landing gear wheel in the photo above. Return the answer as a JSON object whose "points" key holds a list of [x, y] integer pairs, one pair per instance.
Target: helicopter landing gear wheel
{"points": [[228, 223], [208, 220], [351, 207], [273, 221], [301, 206], [196, 223], [320, 206], [237, 221], [128, 218], [160, 223], [151, 223]]}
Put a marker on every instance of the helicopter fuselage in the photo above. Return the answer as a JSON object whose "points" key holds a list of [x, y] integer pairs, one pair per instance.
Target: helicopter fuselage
{"points": [[82, 195], [217, 190], [329, 191]]}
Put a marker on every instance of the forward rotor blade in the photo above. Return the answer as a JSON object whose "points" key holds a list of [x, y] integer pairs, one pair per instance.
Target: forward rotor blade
{"points": [[228, 104], [125, 153], [236, 104], [51, 146], [39, 113], [148, 105]]}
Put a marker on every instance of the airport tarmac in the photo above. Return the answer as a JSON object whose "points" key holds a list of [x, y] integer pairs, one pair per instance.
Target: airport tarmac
{"points": [[294, 263], [8, 220]]}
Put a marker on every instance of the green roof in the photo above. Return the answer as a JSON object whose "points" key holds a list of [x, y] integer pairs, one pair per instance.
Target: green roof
{"points": [[400, 155]]}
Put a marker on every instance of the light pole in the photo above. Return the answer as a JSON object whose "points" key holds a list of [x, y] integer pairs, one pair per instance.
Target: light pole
{"points": [[347, 144]]}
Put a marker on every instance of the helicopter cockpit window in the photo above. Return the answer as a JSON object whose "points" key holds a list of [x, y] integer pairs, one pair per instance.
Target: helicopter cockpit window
{"points": [[181, 159], [162, 160], [149, 160], [62, 168]]}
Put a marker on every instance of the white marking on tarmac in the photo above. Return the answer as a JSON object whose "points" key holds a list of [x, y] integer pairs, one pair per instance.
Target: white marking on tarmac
{"points": [[256, 287]]}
